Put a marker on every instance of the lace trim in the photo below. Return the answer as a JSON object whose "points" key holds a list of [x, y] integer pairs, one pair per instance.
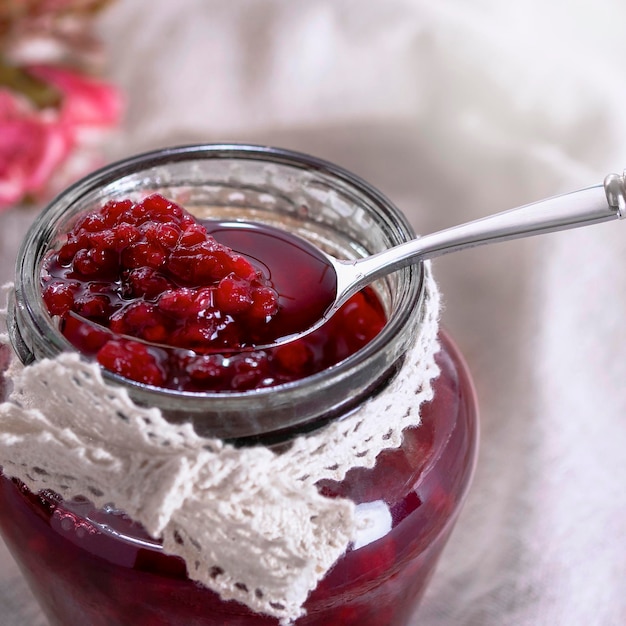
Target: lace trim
{"points": [[249, 522]]}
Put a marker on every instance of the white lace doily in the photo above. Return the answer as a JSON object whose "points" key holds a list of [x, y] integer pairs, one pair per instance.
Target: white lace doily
{"points": [[249, 522]]}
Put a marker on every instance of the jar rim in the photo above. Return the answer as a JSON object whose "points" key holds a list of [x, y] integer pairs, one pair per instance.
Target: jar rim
{"points": [[232, 405]]}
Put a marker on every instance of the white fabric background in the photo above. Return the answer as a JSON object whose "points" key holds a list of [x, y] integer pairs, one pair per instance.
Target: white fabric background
{"points": [[455, 109]]}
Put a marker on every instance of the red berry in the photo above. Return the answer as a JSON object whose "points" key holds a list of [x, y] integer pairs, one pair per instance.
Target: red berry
{"points": [[179, 302], [233, 295], [75, 242], [93, 306], [92, 222], [59, 298], [192, 235], [90, 338], [115, 211], [359, 320], [145, 282], [264, 303], [132, 360], [208, 367], [295, 357], [242, 267], [160, 234], [142, 254], [195, 265], [103, 239], [124, 234], [248, 370], [159, 208], [95, 263], [195, 335], [141, 319], [208, 266], [203, 305]]}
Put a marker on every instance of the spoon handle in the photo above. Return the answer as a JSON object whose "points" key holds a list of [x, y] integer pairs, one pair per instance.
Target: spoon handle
{"points": [[592, 205]]}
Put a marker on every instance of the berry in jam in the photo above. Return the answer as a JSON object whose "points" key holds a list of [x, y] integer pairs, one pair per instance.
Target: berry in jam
{"points": [[164, 299]]}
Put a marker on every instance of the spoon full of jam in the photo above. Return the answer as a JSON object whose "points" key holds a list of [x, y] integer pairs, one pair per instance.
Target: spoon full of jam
{"points": [[157, 296], [331, 281]]}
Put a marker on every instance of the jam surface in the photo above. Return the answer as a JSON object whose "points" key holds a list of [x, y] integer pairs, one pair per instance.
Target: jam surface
{"points": [[164, 299]]}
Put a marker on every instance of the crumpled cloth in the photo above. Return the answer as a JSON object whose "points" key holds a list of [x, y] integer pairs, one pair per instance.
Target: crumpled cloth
{"points": [[455, 109]]}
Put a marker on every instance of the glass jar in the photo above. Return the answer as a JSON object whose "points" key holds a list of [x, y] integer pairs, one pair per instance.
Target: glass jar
{"points": [[98, 567]]}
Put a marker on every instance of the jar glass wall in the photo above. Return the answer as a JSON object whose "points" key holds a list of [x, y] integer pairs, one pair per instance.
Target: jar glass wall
{"points": [[99, 567]]}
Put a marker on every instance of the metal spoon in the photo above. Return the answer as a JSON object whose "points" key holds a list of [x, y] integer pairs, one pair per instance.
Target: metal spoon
{"points": [[592, 205]]}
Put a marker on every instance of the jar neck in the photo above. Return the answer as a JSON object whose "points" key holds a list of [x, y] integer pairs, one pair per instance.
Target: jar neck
{"points": [[313, 198]]}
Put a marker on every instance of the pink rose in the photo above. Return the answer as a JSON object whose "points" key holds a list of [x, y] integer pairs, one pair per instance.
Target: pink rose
{"points": [[32, 147], [41, 150], [87, 102]]}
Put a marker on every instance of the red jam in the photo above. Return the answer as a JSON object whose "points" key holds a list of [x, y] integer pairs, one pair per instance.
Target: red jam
{"points": [[165, 300], [100, 568]]}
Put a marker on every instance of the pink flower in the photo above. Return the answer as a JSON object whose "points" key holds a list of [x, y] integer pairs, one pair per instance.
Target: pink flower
{"points": [[87, 102], [32, 147], [40, 150]]}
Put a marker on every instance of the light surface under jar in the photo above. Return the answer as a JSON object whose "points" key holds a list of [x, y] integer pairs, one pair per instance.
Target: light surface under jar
{"points": [[98, 567]]}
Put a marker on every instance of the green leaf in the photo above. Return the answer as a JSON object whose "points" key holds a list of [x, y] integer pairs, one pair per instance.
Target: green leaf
{"points": [[17, 79]]}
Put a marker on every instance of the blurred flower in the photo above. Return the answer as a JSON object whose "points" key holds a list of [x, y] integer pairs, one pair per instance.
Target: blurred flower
{"points": [[86, 102], [32, 147], [54, 111], [41, 150]]}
